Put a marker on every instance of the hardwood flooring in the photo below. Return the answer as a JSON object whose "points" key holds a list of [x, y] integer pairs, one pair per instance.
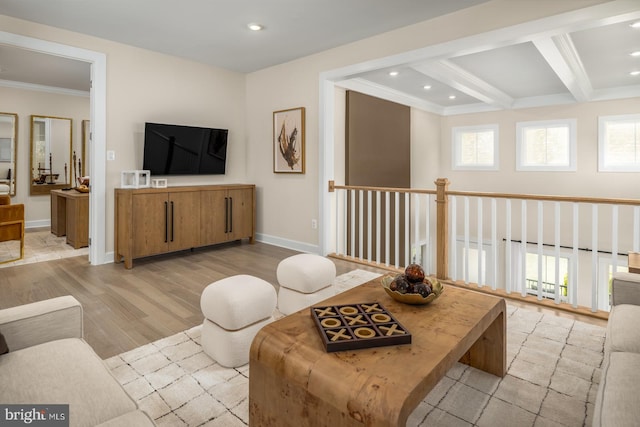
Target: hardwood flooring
{"points": [[160, 296]]}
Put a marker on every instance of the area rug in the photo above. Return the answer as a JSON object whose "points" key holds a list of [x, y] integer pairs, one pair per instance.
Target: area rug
{"points": [[553, 373], [39, 245]]}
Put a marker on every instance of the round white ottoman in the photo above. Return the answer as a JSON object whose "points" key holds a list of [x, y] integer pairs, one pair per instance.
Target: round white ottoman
{"points": [[234, 310], [304, 279]]}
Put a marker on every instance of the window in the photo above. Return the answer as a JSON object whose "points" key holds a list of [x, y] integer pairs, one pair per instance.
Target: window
{"points": [[546, 146], [619, 143], [475, 147]]}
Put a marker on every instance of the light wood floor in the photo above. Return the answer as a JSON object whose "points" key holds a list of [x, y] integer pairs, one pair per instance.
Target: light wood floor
{"points": [[159, 297]]}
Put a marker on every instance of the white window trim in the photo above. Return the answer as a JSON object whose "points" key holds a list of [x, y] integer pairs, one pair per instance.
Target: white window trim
{"points": [[571, 167], [456, 133], [602, 155]]}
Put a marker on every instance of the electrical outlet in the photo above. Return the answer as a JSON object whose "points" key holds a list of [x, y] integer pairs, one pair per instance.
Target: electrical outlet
{"points": [[111, 155], [314, 223]]}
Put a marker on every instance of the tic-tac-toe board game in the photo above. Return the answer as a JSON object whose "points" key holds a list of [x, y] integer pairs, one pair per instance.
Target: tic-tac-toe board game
{"points": [[356, 326]]}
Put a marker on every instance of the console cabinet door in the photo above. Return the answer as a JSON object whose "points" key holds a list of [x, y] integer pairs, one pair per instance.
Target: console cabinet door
{"points": [[184, 220], [150, 228], [240, 214], [213, 214]]}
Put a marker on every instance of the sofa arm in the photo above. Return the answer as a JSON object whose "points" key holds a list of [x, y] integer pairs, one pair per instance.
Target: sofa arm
{"points": [[39, 322], [625, 288]]}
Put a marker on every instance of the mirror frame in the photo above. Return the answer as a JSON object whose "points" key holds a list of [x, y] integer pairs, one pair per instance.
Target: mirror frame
{"points": [[37, 190], [14, 176]]}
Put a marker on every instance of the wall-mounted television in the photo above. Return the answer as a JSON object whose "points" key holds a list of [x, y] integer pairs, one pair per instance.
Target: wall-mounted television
{"points": [[184, 150]]}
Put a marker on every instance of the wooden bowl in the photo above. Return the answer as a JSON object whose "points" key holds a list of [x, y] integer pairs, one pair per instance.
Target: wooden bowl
{"points": [[413, 299], [82, 189]]}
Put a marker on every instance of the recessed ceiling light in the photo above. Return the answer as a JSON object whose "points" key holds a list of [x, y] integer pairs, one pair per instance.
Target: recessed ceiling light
{"points": [[393, 73], [255, 27], [635, 73], [452, 97], [636, 53], [426, 87], [635, 25]]}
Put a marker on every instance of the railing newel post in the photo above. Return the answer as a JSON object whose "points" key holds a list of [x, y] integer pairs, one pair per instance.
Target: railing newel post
{"points": [[442, 228]]}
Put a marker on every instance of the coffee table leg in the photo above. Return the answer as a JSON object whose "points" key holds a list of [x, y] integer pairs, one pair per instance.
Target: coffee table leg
{"points": [[489, 353]]}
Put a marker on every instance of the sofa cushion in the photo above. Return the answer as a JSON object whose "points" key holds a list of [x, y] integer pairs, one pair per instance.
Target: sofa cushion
{"points": [[617, 401], [622, 333], [64, 371]]}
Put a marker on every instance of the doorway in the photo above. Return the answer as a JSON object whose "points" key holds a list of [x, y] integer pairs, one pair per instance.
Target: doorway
{"points": [[98, 106]]}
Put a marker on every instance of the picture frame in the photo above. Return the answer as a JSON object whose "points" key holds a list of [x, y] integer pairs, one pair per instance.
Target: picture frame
{"points": [[289, 140]]}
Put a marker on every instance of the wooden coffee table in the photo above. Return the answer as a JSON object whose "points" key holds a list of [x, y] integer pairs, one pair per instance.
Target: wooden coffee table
{"points": [[293, 381]]}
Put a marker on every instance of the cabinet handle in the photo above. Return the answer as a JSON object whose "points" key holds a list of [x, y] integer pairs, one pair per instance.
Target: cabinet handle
{"points": [[226, 219], [230, 214], [166, 223], [172, 221]]}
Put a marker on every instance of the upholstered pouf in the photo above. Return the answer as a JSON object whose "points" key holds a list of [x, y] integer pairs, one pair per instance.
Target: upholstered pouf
{"points": [[234, 310], [304, 279]]}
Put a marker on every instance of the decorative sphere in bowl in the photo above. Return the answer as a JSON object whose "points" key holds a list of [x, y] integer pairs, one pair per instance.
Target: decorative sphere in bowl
{"points": [[419, 293]]}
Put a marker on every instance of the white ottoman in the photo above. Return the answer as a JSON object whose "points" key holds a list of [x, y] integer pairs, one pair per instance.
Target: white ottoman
{"points": [[234, 310], [304, 279]]}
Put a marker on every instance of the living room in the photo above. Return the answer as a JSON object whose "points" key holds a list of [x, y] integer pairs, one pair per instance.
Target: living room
{"points": [[140, 85]]}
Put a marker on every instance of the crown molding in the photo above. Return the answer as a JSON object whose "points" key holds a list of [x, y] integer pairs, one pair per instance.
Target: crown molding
{"points": [[42, 88]]}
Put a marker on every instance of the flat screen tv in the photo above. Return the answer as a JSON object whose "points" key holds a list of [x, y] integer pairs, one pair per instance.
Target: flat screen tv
{"points": [[184, 150]]}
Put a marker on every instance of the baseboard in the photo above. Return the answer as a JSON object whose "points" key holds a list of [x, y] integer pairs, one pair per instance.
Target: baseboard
{"points": [[37, 224], [289, 244]]}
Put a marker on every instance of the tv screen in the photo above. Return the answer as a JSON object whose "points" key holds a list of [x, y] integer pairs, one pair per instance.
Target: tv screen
{"points": [[184, 150]]}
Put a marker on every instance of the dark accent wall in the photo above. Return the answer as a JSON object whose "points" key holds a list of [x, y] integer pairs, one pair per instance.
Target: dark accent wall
{"points": [[377, 154], [378, 142]]}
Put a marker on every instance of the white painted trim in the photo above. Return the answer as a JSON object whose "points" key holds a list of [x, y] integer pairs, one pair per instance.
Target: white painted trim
{"points": [[43, 88], [287, 243], [325, 160], [98, 116], [603, 166], [572, 166], [456, 134], [37, 224]]}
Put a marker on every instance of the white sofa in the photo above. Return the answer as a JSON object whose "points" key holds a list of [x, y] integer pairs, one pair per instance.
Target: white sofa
{"points": [[49, 363], [617, 403]]}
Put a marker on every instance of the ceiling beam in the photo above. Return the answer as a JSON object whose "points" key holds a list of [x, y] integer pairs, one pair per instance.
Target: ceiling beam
{"points": [[563, 58], [460, 79]]}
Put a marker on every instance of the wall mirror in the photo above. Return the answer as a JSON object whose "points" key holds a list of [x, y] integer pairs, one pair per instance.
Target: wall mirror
{"points": [[51, 147], [8, 152]]}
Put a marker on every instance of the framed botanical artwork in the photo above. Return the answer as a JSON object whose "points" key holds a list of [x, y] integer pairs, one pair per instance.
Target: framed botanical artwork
{"points": [[288, 141]]}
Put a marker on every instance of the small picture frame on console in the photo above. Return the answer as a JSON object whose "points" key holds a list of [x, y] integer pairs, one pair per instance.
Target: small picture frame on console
{"points": [[288, 140]]}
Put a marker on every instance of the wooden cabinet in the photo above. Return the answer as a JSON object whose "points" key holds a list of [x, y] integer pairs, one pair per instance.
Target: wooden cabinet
{"points": [[232, 217], [70, 216], [152, 221], [167, 224]]}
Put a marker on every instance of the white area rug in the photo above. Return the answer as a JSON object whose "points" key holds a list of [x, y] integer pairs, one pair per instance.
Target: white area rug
{"points": [[553, 374]]}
